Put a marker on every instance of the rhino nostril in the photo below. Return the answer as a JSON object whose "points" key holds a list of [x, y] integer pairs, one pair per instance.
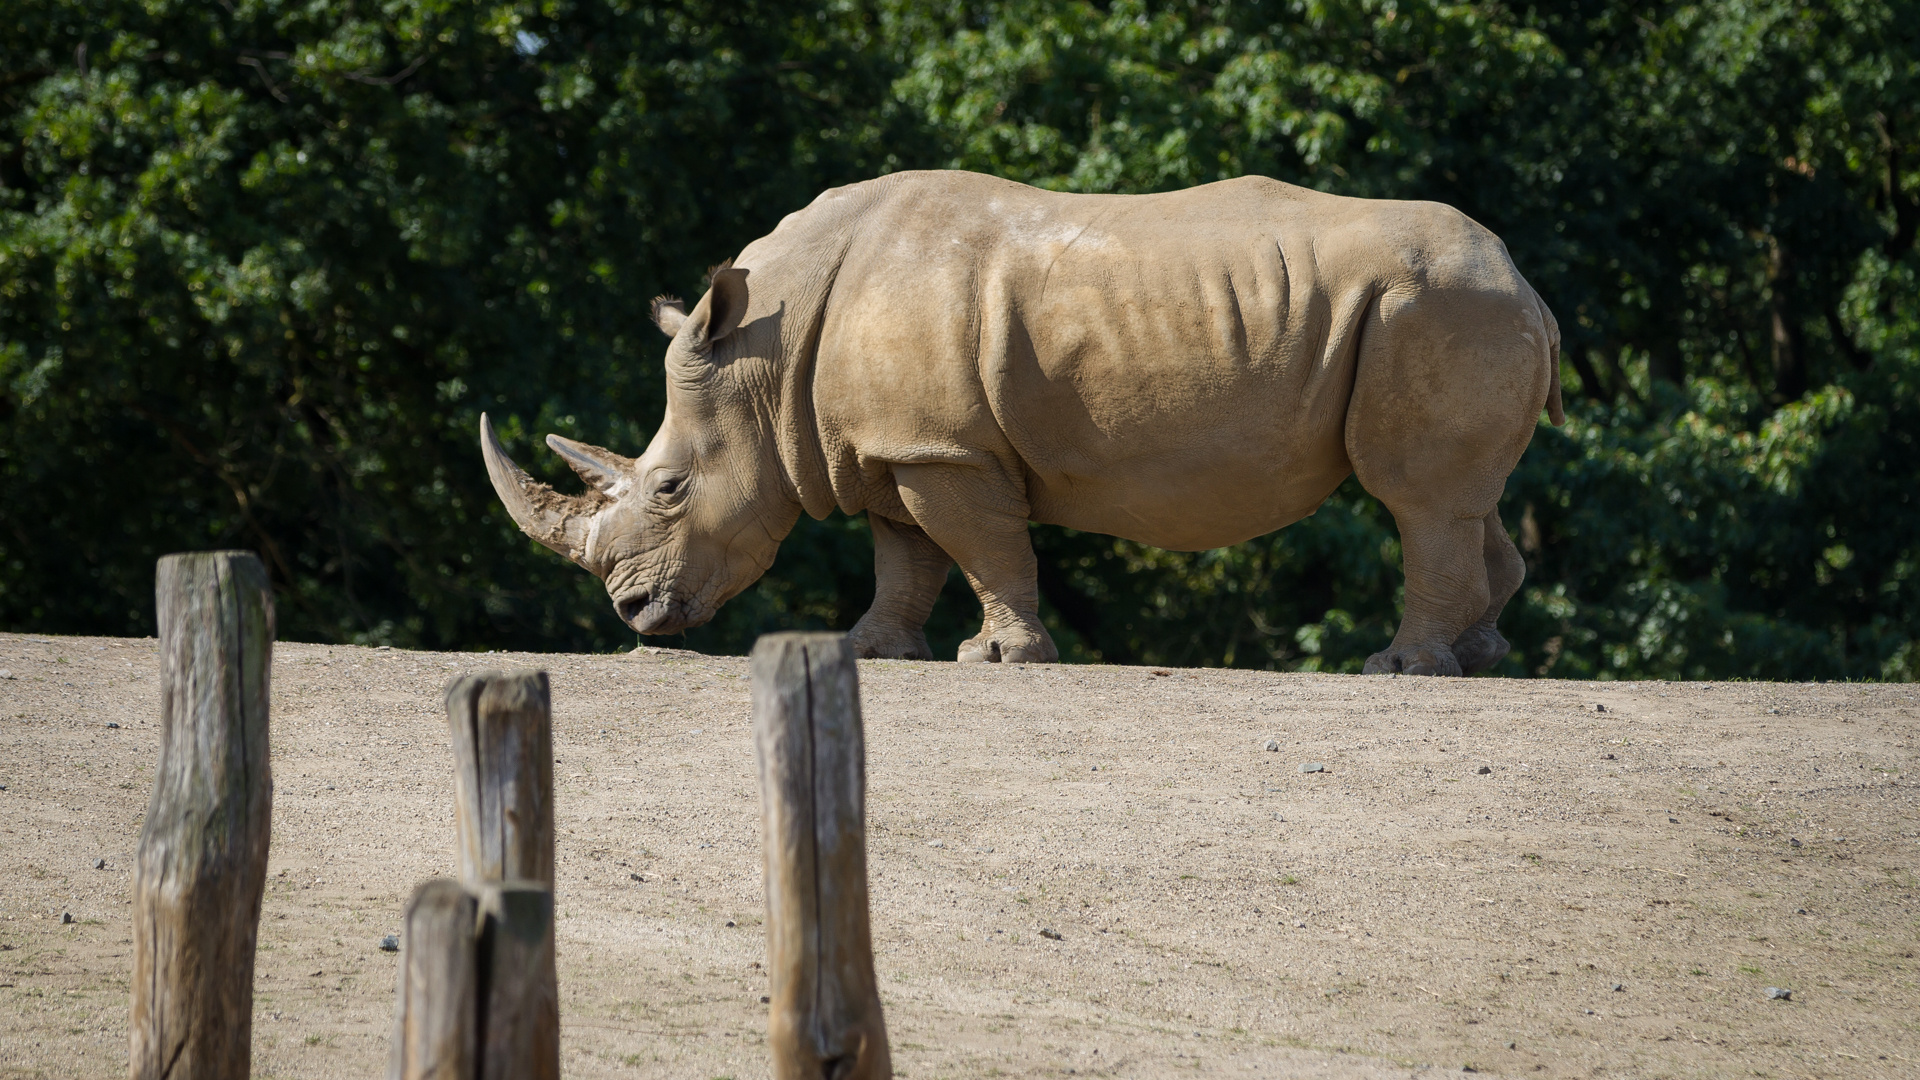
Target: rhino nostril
{"points": [[630, 608]]}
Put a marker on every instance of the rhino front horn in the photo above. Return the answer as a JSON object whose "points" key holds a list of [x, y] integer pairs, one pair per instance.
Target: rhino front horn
{"points": [[559, 521]]}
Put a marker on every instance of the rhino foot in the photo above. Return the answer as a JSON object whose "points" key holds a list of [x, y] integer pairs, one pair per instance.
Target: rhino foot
{"points": [[1414, 660], [1016, 645], [1479, 648], [878, 643]]}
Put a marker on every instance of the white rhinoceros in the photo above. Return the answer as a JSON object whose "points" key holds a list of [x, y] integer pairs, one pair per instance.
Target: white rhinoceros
{"points": [[958, 355]]}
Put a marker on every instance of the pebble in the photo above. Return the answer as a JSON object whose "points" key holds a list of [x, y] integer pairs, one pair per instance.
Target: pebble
{"points": [[764, 999], [1511, 1045], [1273, 744], [1673, 821], [730, 925], [390, 943], [99, 864], [1299, 926], [1052, 934], [636, 877], [1779, 993], [936, 843], [1619, 988], [66, 917], [5, 674], [1793, 841], [1096, 768], [1599, 708], [1799, 911], [112, 724], [1314, 766], [1484, 770]]}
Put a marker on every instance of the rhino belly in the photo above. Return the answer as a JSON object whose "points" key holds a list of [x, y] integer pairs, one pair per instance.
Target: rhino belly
{"points": [[1190, 499]]}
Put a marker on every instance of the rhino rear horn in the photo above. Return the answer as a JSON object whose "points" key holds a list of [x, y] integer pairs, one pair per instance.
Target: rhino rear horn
{"points": [[561, 522], [602, 468]]}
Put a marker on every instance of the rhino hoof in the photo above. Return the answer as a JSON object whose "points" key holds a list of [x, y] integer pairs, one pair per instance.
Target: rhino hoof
{"points": [[1479, 648], [871, 644], [1008, 649], [1414, 660]]}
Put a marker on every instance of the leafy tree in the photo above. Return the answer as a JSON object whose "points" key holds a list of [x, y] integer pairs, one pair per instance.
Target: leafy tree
{"points": [[262, 265]]}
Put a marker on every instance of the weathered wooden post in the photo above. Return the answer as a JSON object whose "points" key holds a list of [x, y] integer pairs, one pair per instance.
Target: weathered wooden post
{"points": [[825, 1021], [202, 862], [519, 1005], [436, 1031], [502, 728]]}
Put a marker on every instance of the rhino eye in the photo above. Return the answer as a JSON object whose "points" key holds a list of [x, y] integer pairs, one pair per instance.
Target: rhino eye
{"points": [[668, 486]]}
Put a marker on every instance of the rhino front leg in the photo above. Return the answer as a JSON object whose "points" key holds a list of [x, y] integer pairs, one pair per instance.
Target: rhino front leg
{"points": [[908, 569], [980, 519]]}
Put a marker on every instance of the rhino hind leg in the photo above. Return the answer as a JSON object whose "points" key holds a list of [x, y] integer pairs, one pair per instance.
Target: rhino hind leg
{"points": [[972, 515], [1446, 594], [1481, 645], [909, 570], [1448, 384]]}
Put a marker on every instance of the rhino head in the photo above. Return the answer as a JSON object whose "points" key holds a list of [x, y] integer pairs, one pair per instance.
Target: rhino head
{"points": [[688, 525]]}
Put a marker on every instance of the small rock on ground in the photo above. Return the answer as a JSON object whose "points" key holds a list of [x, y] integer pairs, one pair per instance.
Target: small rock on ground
{"points": [[1779, 993], [390, 943], [1314, 766]]}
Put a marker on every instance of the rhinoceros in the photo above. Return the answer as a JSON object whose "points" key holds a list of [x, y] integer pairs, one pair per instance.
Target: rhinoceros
{"points": [[957, 355]]}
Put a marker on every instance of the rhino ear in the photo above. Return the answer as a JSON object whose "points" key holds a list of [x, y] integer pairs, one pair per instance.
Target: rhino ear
{"points": [[601, 468], [668, 313], [719, 312]]}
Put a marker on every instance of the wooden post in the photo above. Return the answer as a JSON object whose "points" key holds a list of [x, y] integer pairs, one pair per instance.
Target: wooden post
{"points": [[825, 1021], [519, 1024], [436, 1034], [202, 862], [502, 726], [502, 730]]}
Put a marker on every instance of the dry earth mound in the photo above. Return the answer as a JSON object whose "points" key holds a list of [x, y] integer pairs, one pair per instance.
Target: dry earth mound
{"points": [[1089, 871]]}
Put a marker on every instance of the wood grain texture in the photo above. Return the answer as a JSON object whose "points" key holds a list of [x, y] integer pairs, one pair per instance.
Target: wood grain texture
{"points": [[202, 861], [502, 728], [436, 1026], [519, 1021], [825, 1020]]}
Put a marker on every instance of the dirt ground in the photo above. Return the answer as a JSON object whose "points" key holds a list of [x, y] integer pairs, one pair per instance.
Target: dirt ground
{"points": [[1614, 897]]}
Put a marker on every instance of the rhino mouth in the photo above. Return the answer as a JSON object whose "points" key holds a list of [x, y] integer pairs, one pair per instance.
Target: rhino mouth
{"points": [[650, 614]]}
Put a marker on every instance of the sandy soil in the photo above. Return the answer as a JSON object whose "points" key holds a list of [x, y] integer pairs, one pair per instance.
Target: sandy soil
{"points": [[1614, 897]]}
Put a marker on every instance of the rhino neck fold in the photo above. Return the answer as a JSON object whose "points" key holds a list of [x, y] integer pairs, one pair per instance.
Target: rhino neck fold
{"points": [[795, 267]]}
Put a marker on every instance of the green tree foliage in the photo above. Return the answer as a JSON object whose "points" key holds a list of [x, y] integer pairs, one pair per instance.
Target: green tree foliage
{"points": [[262, 265]]}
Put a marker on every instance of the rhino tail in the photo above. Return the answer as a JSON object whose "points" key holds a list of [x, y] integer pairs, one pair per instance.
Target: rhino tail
{"points": [[1555, 410]]}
